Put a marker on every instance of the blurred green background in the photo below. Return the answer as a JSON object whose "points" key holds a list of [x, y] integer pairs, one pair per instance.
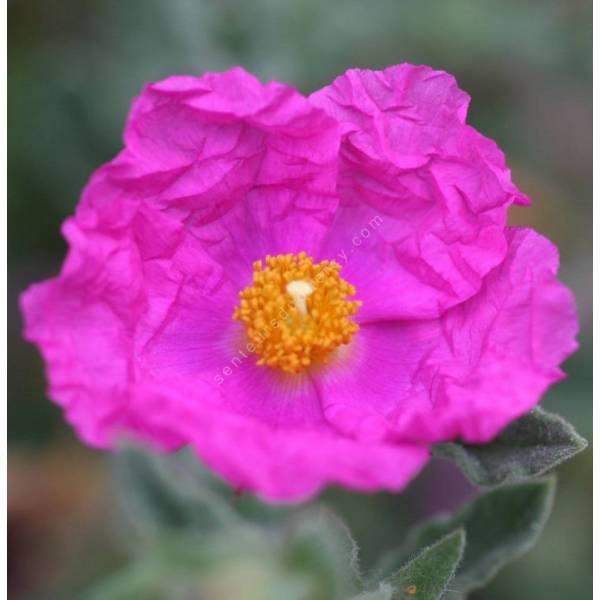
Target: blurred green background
{"points": [[74, 66]]}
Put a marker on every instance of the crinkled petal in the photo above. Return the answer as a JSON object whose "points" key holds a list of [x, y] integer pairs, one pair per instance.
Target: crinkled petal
{"points": [[82, 322], [249, 169], [423, 196], [468, 374], [278, 464]]}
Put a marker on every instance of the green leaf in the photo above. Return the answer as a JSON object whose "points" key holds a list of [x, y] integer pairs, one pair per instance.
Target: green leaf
{"points": [[501, 525], [528, 447], [426, 576], [320, 544], [159, 492]]}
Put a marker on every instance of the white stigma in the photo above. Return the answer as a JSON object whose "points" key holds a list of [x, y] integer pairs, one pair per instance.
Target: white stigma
{"points": [[299, 291]]}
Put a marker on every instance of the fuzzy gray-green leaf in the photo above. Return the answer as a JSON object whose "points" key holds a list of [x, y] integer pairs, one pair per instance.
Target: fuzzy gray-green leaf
{"points": [[501, 525], [427, 575], [528, 447]]}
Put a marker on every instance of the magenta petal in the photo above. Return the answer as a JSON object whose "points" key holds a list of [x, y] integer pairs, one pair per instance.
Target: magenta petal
{"points": [[250, 169], [376, 377], [468, 374], [82, 323], [423, 196], [278, 464], [295, 465]]}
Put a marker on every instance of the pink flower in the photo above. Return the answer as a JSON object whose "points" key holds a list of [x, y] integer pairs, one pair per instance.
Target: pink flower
{"points": [[415, 315]]}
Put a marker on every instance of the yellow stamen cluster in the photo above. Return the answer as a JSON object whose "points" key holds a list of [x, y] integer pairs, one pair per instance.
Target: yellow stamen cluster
{"points": [[296, 312]]}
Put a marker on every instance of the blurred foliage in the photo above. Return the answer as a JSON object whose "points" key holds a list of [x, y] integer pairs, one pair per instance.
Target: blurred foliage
{"points": [[73, 67], [189, 537]]}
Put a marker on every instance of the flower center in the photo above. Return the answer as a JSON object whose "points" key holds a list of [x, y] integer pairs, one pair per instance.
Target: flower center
{"points": [[296, 312]]}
